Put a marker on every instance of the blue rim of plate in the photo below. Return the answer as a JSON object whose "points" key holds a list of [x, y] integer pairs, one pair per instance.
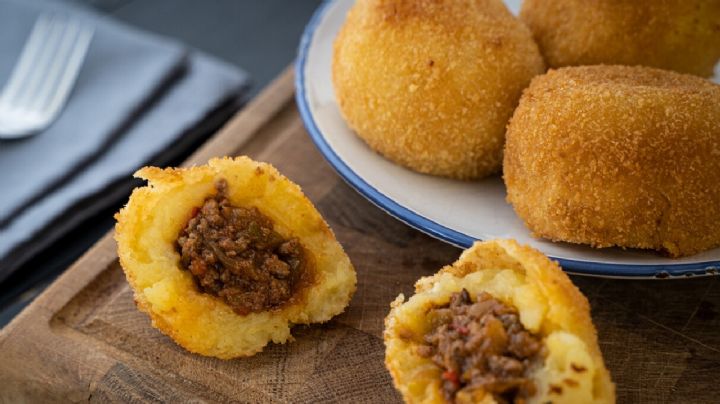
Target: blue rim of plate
{"points": [[439, 231]]}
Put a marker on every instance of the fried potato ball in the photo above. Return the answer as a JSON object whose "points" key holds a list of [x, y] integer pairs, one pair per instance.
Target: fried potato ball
{"points": [[618, 156], [431, 84], [512, 283], [213, 307], [680, 35]]}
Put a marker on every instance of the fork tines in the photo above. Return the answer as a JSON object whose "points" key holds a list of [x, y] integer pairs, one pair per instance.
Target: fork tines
{"points": [[44, 75]]}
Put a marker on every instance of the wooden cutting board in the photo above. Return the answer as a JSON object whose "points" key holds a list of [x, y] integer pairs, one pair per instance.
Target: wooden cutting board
{"points": [[84, 340]]}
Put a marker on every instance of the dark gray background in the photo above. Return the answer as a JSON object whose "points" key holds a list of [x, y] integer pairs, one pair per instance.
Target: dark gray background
{"points": [[260, 36]]}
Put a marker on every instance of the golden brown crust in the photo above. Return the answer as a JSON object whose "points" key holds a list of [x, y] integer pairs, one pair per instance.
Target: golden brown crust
{"points": [[618, 156], [549, 305], [681, 35], [147, 229], [431, 84]]}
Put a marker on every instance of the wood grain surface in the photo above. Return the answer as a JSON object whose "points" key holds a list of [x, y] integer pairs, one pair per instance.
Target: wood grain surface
{"points": [[84, 340]]}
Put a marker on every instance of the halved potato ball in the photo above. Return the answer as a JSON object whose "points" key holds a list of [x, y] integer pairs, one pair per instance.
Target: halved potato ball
{"points": [[502, 324], [226, 257], [680, 35], [618, 156], [431, 84]]}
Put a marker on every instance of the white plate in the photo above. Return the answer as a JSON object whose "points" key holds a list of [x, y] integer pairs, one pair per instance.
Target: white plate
{"points": [[454, 211]]}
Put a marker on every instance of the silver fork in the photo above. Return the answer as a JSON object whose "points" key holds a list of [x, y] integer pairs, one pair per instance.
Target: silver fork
{"points": [[43, 76]]}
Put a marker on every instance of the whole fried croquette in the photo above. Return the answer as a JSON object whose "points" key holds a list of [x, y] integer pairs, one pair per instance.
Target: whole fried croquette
{"points": [[502, 324], [680, 35], [226, 257], [618, 156], [431, 84]]}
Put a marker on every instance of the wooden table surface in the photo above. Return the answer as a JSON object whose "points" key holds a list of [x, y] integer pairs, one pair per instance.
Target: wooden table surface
{"points": [[84, 340]]}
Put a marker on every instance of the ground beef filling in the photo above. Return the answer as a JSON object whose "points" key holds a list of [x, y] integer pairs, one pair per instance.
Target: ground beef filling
{"points": [[235, 254], [482, 345]]}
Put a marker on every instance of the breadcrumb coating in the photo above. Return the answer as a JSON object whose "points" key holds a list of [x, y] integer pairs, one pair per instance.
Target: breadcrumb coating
{"points": [[149, 225], [618, 156], [680, 35], [549, 306], [431, 84]]}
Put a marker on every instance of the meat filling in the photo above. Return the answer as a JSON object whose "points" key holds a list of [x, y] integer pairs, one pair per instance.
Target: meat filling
{"points": [[235, 254], [482, 345]]}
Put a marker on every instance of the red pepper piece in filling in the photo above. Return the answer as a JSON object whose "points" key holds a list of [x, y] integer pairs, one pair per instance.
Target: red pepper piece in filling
{"points": [[451, 376]]}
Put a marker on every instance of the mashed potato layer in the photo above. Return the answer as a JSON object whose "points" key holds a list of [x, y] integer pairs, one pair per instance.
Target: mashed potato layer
{"points": [[550, 306], [148, 228]]}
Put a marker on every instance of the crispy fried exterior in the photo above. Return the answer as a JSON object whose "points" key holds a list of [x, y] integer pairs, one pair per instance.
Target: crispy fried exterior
{"points": [[549, 306], [618, 156], [681, 35], [431, 84], [148, 227]]}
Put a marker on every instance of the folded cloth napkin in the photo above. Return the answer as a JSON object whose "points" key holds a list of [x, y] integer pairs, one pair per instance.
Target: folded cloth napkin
{"points": [[123, 69], [106, 131]]}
